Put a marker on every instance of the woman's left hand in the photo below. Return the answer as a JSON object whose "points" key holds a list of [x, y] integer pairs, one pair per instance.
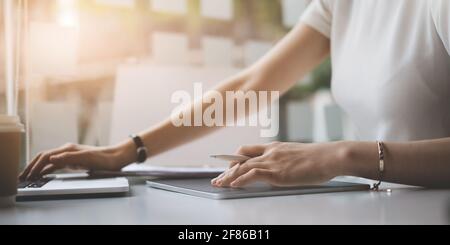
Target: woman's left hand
{"points": [[286, 164]]}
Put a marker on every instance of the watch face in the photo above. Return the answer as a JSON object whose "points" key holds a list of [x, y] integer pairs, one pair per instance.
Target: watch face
{"points": [[142, 155]]}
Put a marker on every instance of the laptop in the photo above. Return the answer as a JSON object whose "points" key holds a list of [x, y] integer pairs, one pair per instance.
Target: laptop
{"points": [[203, 188], [71, 186]]}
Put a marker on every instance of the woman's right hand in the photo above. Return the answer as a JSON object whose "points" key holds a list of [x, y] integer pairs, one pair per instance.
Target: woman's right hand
{"points": [[78, 157]]}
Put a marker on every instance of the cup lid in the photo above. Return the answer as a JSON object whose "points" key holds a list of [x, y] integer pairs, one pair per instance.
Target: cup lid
{"points": [[10, 123], [9, 119]]}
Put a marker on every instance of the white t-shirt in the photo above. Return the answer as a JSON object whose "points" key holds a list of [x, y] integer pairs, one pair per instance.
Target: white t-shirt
{"points": [[391, 64]]}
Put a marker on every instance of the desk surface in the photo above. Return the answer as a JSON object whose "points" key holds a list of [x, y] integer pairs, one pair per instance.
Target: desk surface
{"points": [[149, 206]]}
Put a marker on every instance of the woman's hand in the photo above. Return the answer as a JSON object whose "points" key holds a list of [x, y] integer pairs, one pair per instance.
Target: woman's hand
{"points": [[286, 164], [78, 157]]}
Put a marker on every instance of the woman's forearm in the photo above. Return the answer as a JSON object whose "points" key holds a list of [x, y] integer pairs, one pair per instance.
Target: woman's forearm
{"points": [[166, 135], [420, 163]]}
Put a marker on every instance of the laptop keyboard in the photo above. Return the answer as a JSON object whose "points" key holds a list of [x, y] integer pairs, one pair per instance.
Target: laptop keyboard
{"points": [[34, 184]]}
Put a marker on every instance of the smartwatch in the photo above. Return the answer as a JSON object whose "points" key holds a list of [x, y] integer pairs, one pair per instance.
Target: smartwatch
{"points": [[142, 151]]}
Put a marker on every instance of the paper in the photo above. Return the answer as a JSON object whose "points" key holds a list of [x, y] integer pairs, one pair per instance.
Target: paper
{"points": [[149, 168], [149, 171]]}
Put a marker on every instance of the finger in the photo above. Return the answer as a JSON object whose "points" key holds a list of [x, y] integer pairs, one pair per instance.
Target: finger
{"points": [[249, 151], [253, 176], [74, 160], [214, 181], [255, 159], [238, 171], [44, 160], [28, 168], [232, 164], [252, 150], [49, 169], [261, 158], [218, 181], [33, 168]]}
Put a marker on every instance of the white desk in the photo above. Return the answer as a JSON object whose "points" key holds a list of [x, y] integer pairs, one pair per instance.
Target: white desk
{"points": [[150, 206]]}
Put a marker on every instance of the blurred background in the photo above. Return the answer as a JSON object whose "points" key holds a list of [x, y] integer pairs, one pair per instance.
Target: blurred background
{"points": [[94, 71]]}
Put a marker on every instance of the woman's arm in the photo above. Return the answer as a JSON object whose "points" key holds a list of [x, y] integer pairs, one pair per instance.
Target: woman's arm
{"points": [[298, 53], [422, 163]]}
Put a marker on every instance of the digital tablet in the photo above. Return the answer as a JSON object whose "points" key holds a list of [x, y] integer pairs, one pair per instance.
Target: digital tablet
{"points": [[203, 188]]}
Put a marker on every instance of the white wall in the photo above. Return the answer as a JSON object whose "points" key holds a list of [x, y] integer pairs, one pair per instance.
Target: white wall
{"points": [[45, 132]]}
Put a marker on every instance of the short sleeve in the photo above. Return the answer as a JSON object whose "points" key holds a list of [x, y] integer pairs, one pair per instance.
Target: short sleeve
{"points": [[318, 15], [440, 10]]}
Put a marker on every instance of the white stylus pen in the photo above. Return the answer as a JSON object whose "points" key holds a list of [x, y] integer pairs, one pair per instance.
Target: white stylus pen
{"points": [[232, 158]]}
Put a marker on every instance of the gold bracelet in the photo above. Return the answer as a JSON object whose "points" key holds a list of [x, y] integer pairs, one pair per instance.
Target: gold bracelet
{"points": [[376, 187]]}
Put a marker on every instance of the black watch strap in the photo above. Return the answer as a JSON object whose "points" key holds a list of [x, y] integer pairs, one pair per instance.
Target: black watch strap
{"points": [[142, 151]]}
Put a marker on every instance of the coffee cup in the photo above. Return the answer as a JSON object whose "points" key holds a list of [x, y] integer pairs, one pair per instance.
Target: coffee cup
{"points": [[11, 131]]}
